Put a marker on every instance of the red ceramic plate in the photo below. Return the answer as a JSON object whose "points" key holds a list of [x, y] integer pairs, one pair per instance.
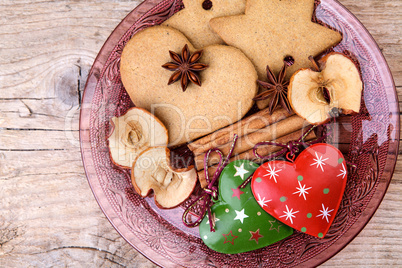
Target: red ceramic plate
{"points": [[159, 234]]}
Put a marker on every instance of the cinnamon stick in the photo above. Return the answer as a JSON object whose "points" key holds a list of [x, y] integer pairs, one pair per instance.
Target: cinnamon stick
{"points": [[247, 142], [241, 128], [262, 151]]}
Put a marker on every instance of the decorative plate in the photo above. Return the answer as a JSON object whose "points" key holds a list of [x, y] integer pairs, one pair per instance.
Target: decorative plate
{"points": [[370, 140]]}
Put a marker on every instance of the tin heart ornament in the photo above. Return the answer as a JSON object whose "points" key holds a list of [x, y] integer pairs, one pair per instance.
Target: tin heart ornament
{"points": [[240, 223], [304, 194]]}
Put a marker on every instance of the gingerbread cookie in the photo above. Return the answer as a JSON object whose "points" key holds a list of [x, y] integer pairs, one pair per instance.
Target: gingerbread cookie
{"points": [[225, 96], [193, 20], [271, 30]]}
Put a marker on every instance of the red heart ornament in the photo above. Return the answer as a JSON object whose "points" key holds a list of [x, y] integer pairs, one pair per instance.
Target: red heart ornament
{"points": [[305, 194]]}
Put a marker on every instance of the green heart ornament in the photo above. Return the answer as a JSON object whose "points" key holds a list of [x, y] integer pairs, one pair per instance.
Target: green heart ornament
{"points": [[241, 224]]}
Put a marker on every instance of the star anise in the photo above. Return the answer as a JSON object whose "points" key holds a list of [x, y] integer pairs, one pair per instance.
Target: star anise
{"points": [[276, 88], [186, 67]]}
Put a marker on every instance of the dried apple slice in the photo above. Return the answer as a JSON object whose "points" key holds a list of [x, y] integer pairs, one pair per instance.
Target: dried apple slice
{"points": [[338, 77], [134, 132], [151, 172]]}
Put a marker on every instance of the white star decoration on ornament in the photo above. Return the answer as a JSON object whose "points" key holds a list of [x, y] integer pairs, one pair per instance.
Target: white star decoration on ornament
{"points": [[262, 201], [240, 215], [302, 190], [240, 171], [214, 219], [272, 173], [325, 213], [343, 172], [289, 214], [319, 162]]}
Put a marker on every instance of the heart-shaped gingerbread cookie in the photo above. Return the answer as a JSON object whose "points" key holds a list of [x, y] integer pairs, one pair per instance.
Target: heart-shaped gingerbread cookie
{"points": [[305, 194], [240, 223], [225, 96]]}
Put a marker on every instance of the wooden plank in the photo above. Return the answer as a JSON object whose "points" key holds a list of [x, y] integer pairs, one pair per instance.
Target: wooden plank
{"points": [[36, 140], [33, 114]]}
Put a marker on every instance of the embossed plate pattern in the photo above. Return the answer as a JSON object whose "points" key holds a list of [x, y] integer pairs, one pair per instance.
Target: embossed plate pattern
{"points": [[159, 235]]}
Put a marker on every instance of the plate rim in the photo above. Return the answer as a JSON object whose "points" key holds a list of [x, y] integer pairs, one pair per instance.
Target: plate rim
{"points": [[337, 246]]}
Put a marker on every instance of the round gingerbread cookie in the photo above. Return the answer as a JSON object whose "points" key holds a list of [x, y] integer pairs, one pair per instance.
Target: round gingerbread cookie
{"points": [[224, 97]]}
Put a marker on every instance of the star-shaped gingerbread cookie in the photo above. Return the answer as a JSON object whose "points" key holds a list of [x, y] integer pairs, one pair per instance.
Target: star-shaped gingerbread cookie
{"points": [[270, 30], [193, 20]]}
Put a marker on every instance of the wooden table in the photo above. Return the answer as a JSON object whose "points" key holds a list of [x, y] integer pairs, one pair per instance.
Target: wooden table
{"points": [[48, 215]]}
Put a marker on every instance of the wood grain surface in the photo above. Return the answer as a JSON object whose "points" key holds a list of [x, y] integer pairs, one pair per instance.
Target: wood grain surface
{"points": [[48, 215]]}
